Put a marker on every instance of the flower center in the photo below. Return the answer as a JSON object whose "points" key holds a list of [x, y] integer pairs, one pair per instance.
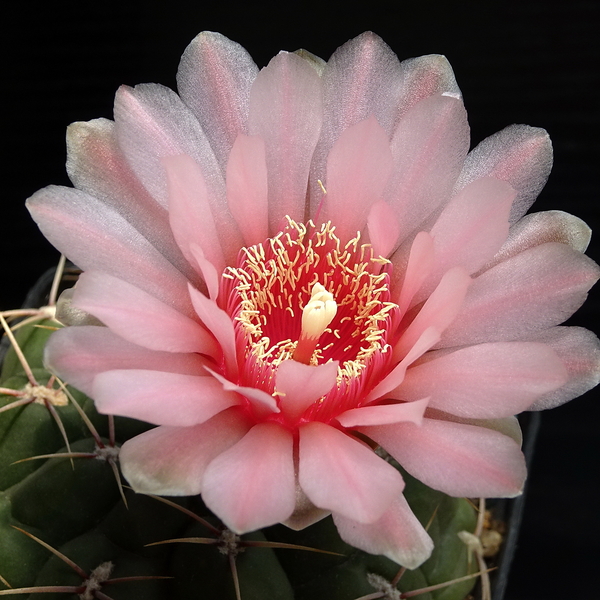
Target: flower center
{"points": [[300, 295]]}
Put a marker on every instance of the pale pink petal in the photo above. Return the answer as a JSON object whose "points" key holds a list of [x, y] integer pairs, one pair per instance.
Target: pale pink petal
{"points": [[520, 155], [340, 474], [361, 79], [486, 381], [472, 227], [79, 225], [439, 309], [263, 404], [161, 398], [358, 168], [78, 354], [508, 426], [252, 485], [397, 534], [170, 461], [429, 147], [395, 377], [455, 458], [301, 385], [247, 188], [96, 165], [305, 512], [218, 322], [534, 290], [152, 123], [384, 414], [190, 215], [383, 227], [539, 228], [140, 318], [291, 89], [579, 350], [419, 265], [214, 80], [425, 76]]}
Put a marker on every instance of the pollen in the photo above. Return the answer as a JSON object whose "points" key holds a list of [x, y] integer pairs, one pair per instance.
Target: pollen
{"points": [[305, 296]]}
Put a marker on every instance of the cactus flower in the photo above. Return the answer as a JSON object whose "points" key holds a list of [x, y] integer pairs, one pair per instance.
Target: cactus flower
{"points": [[298, 266]]}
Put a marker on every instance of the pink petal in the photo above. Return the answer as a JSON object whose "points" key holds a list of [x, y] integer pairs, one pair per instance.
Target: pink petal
{"points": [[486, 381], [301, 385], [140, 318], [214, 80], [418, 268], [508, 426], [425, 76], [161, 398], [538, 228], [362, 78], [152, 123], [247, 188], [534, 290], [439, 310], [97, 166], [263, 404], [383, 227], [384, 414], [190, 215], [397, 534], [579, 350], [358, 168], [429, 147], [395, 377], [208, 270], [305, 512], [339, 473], [520, 155], [291, 89], [455, 458], [218, 322], [78, 354], [472, 227], [252, 485], [171, 461], [95, 237]]}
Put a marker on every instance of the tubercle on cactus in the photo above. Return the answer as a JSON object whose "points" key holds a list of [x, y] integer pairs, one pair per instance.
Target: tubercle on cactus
{"points": [[104, 452], [228, 543], [91, 584]]}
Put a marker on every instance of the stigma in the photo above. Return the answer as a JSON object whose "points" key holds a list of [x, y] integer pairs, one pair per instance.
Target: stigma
{"points": [[316, 317]]}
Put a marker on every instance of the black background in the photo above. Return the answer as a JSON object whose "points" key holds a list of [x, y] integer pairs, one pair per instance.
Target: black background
{"points": [[531, 62]]}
